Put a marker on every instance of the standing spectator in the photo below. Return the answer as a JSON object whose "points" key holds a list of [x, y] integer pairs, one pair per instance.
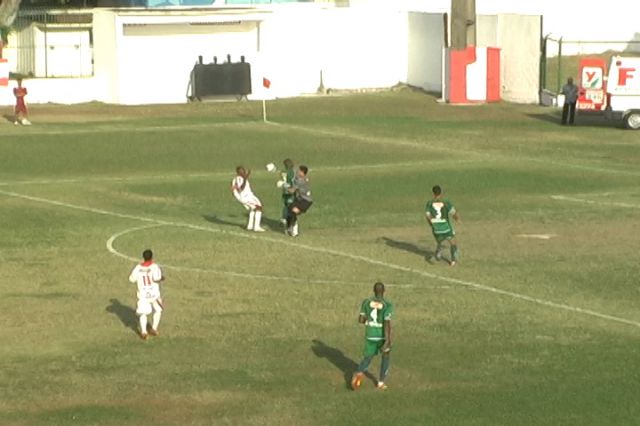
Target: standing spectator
{"points": [[570, 92], [21, 112]]}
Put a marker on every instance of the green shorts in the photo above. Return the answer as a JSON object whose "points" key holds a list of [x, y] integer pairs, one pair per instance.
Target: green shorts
{"points": [[372, 347], [444, 237]]}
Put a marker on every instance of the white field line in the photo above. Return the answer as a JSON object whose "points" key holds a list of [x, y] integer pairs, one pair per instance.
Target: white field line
{"points": [[114, 251], [594, 202], [537, 236], [339, 254], [335, 134], [115, 179], [464, 151], [111, 128], [221, 175]]}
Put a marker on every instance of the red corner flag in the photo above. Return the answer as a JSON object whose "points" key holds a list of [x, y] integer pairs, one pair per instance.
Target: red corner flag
{"points": [[266, 82]]}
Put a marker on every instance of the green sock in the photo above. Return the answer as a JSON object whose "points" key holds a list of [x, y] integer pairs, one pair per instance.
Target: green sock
{"points": [[384, 367], [455, 254]]}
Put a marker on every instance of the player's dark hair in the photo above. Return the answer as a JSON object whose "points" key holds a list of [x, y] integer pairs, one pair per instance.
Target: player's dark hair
{"points": [[436, 190], [147, 255], [288, 163], [238, 168], [378, 288], [304, 169]]}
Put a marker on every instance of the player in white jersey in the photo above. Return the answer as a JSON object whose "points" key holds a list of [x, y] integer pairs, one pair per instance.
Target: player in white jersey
{"points": [[147, 275], [242, 191]]}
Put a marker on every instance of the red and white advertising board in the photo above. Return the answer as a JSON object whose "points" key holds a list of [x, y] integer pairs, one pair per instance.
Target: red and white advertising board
{"points": [[472, 75]]}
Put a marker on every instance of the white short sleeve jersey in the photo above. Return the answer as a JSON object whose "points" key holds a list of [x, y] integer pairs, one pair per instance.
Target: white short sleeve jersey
{"points": [[147, 275], [236, 185]]}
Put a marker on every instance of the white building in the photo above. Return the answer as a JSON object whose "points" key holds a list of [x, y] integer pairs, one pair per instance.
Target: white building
{"points": [[143, 56]]}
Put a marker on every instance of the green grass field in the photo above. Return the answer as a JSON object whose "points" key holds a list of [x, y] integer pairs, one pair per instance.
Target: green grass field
{"points": [[538, 325]]}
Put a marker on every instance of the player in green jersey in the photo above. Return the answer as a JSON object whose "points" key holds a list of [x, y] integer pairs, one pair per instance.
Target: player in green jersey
{"points": [[287, 179], [439, 212], [375, 314]]}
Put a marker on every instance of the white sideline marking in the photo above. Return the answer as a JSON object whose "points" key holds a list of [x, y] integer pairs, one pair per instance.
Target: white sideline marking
{"points": [[113, 179], [107, 128], [114, 251], [537, 236], [224, 175], [338, 254], [594, 202], [463, 151]]}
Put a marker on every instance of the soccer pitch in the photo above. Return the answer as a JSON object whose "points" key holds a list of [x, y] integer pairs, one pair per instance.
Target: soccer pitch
{"points": [[537, 325]]}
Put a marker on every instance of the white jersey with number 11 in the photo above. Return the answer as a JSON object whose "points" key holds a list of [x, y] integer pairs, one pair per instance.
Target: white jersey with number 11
{"points": [[147, 275]]}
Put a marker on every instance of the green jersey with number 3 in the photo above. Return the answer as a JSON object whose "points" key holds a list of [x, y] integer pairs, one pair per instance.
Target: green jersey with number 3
{"points": [[376, 311], [438, 212]]}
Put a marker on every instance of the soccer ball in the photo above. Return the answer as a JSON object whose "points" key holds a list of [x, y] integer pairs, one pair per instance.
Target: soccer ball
{"points": [[270, 167], [280, 183]]}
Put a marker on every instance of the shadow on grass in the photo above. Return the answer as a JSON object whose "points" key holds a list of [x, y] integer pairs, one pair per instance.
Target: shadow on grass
{"points": [[9, 117], [219, 221], [273, 225], [409, 247], [582, 120], [339, 360], [126, 314]]}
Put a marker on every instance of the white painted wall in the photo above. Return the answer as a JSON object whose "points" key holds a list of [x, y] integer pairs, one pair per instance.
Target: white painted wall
{"points": [[573, 19], [143, 57], [156, 59], [59, 90], [350, 48], [366, 49], [105, 57], [518, 37], [292, 52], [424, 59]]}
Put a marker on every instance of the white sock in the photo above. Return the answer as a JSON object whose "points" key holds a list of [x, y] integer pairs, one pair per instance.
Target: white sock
{"points": [[294, 229], [156, 320], [258, 218], [143, 324], [252, 214]]}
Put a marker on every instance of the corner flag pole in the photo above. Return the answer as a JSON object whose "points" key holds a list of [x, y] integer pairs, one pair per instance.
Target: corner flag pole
{"points": [[266, 83], [264, 110]]}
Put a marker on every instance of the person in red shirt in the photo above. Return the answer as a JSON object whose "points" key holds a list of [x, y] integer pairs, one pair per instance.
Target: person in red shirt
{"points": [[21, 112]]}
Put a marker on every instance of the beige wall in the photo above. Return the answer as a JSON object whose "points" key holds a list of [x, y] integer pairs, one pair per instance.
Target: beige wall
{"points": [[105, 56], [424, 60], [518, 37], [137, 60]]}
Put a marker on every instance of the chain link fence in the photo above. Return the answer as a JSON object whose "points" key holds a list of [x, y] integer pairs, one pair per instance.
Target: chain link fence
{"points": [[560, 58]]}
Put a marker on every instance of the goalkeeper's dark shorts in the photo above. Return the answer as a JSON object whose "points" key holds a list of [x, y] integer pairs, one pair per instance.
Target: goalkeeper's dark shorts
{"points": [[302, 205]]}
